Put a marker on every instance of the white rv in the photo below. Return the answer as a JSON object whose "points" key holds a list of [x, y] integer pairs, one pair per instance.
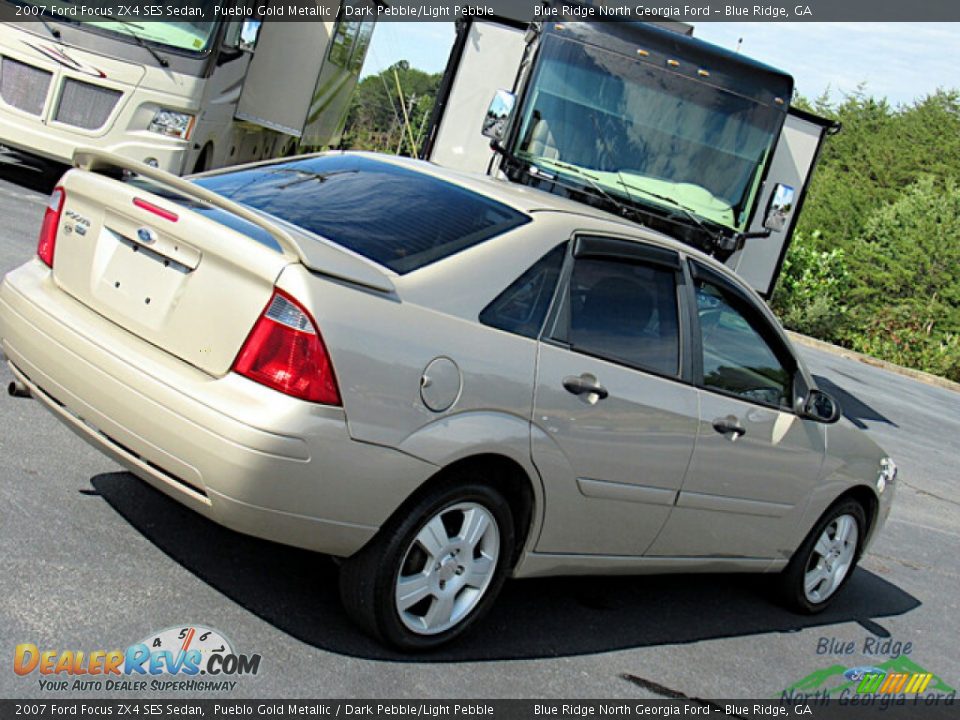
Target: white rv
{"points": [[182, 96], [641, 119]]}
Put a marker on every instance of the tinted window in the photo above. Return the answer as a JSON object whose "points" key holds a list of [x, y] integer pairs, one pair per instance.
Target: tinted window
{"points": [[395, 216], [736, 358], [522, 307], [625, 312]]}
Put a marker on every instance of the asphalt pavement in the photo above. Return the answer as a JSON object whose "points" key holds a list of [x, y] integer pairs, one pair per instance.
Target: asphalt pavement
{"points": [[93, 559]]}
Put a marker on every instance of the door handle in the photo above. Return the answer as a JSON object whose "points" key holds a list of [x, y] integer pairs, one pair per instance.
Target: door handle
{"points": [[585, 384], [729, 425]]}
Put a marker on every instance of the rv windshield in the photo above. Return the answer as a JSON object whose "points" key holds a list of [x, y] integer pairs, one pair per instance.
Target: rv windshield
{"points": [[190, 36], [645, 134]]}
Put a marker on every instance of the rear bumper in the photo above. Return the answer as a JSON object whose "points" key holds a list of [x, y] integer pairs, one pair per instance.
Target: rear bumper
{"points": [[238, 453]]}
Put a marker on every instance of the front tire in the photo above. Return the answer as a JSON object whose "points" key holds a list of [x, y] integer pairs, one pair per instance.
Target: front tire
{"points": [[825, 561], [434, 570]]}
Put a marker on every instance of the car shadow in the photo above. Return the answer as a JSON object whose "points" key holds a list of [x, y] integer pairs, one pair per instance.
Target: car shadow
{"points": [[296, 591], [30, 173], [854, 409]]}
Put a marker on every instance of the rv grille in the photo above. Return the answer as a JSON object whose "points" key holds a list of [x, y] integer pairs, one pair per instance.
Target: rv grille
{"points": [[23, 86], [84, 105]]}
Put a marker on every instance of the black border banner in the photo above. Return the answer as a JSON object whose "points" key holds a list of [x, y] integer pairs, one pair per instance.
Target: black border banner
{"points": [[521, 10], [891, 707]]}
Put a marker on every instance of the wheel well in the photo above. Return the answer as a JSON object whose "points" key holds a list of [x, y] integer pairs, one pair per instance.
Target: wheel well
{"points": [[867, 500], [503, 474]]}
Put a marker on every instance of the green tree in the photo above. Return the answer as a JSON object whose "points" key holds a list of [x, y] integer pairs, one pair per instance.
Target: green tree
{"points": [[880, 151], [906, 267], [875, 264], [375, 120]]}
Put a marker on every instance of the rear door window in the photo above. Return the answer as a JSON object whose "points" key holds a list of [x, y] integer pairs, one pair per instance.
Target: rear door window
{"points": [[626, 312]]}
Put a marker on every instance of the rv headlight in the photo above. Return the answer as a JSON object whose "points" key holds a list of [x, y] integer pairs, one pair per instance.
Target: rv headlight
{"points": [[887, 474], [172, 124]]}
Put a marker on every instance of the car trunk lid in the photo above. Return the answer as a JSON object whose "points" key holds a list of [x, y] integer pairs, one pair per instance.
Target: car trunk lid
{"points": [[175, 264], [173, 277]]}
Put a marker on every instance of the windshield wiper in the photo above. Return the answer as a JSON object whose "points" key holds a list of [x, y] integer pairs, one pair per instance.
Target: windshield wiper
{"points": [[50, 29], [724, 242], [690, 214], [624, 209], [162, 61]]}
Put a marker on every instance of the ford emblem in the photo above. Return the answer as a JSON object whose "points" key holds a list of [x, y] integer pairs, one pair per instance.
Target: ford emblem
{"points": [[146, 236]]}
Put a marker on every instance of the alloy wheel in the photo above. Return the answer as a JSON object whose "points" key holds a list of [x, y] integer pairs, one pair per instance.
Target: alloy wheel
{"points": [[447, 568], [831, 558]]}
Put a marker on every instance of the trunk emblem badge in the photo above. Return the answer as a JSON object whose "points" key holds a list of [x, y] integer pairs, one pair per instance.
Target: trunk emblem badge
{"points": [[81, 225], [146, 236], [80, 219]]}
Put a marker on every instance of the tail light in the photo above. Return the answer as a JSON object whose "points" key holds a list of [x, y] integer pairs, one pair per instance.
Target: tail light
{"points": [[284, 351], [48, 230]]}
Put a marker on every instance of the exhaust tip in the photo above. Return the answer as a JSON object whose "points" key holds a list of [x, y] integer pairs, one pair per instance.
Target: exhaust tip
{"points": [[18, 389]]}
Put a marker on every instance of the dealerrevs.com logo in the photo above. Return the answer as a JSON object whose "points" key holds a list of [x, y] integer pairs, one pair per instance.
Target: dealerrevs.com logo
{"points": [[190, 658]]}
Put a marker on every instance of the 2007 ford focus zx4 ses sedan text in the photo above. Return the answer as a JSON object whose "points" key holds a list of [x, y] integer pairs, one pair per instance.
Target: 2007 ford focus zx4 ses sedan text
{"points": [[444, 379]]}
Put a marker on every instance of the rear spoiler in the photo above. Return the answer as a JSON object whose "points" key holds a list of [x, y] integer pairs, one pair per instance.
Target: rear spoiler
{"points": [[313, 251]]}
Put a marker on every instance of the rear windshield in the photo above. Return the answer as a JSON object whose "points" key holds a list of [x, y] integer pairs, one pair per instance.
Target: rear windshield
{"points": [[397, 217]]}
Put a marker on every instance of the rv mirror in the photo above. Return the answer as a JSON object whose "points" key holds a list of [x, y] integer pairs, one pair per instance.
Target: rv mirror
{"points": [[498, 114], [249, 34], [780, 207]]}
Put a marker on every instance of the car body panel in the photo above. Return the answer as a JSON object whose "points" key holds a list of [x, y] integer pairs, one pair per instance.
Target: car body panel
{"points": [[234, 450], [740, 495], [852, 463], [190, 286], [638, 482], [639, 438]]}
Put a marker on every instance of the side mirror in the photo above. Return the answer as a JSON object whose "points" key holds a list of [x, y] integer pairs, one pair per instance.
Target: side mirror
{"points": [[781, 204], [498, 114], [821, 407], [249, 34]]}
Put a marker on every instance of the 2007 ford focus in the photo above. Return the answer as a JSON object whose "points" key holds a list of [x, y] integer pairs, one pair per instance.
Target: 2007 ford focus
{"points": [[444, 379]]}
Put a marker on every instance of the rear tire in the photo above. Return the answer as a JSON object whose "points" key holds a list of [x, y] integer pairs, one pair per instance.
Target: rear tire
{"points": [[434, 569], [825, 560]]}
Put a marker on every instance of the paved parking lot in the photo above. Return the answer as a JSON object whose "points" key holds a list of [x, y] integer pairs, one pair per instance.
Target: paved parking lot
{"points": [[90, 558]]}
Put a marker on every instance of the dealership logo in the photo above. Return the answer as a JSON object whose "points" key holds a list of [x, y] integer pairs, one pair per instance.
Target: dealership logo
{"points": [[899, 679], [894, 682], [172, 659]]}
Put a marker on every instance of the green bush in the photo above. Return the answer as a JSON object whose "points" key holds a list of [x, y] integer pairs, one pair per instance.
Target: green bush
{"points": [[810, 294], [905, 297], [906, 336]]}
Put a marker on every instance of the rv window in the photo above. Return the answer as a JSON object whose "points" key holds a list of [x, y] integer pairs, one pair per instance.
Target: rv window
{"points": [[361, 46], [343, 41]]}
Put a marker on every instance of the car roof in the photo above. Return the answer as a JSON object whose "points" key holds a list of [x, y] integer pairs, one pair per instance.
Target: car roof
{"points": [[532, 201], [522, 198]]}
